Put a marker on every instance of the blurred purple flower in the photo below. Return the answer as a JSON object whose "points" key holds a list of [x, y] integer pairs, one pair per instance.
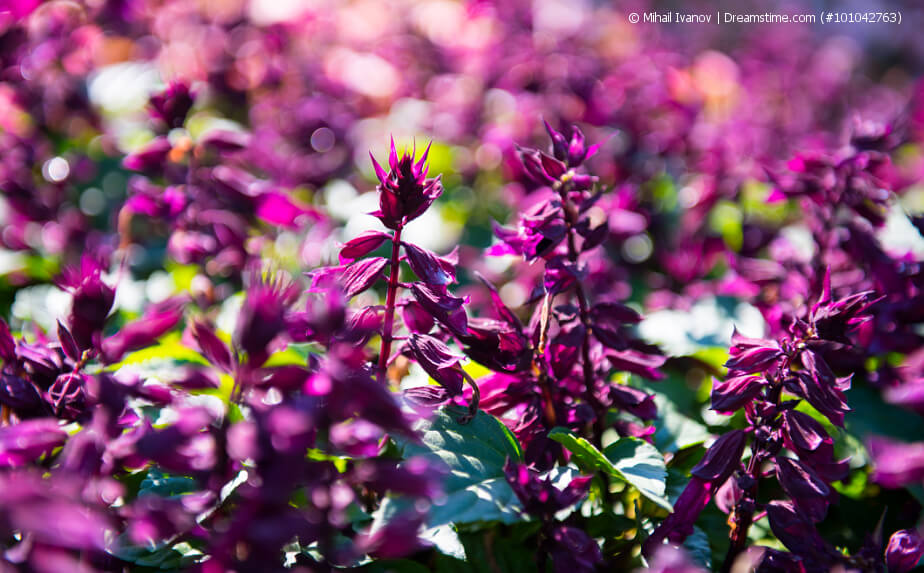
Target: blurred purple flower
{"points": [[904, 551]]}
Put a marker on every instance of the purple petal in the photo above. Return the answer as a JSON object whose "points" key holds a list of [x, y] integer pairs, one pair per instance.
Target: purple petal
{"points": [[155, 322], [151, 157], [637, 362], [722, 458], [444, 307], [361, 275], [26, 441], [438, 361], [427, 266], [904, 550], [277, 209], [416, 318], [7, 344], [679, 525], [810, 494], [212, 347], [896, 464], [362, 245], [736, 392]]}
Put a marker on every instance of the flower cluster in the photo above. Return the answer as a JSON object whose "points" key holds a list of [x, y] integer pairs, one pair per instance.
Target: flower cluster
{"points": [[787, 443], [557, 373], [230, 342]]}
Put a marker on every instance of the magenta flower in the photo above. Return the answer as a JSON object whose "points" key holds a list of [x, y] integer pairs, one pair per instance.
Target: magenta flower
{"points": [[263, 314], [92, 301], [896, 464], [904, 551], [27, 441], [404, 192], [171, 105]]}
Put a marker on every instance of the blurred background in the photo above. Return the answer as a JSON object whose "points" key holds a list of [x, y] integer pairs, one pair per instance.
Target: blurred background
{"points": [[690, 117]]}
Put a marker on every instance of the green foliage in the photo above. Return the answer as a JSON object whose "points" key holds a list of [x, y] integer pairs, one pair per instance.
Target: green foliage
{"points": [[631, 460], [162, 557], [156, 482], [473, 456]]}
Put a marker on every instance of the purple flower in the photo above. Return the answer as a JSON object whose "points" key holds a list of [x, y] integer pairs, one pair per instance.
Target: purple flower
{"points": [[7, 343], [904, 550], [430, 268], [26, 441], [444, 307], [808, 438], [909, 394], [92, 300], [156, 321], [636, 402], [21, 395], [644, 364], [67, 396], [362, 245], [210, 345], [171, 105], [438, 361], [670, 559], [818, 385], [52, 511], [573, 151], [798, 534], [187, 446], [404, 192], [607, 319], [151, 158], [896, 464], [361, 275], [810, 494], [722, 458], [539, 496], [752, 354], [573, 550], [396, 539], [416, 318], [834, 319], [735, 392], [262, 315]]}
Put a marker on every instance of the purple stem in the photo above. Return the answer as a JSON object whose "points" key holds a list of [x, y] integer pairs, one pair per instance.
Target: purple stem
{"points": [[743, 515], [583, 306], [390, 305]]}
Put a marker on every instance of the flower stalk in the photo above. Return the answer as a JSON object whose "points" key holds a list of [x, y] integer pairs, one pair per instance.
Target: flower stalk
{"points": [[388, 327]]}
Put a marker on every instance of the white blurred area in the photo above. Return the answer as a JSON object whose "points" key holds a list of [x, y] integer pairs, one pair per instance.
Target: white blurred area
{"points": [[431, 230]]}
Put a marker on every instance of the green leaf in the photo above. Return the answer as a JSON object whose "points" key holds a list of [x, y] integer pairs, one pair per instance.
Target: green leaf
{"points": [[159, 483], [631, 460], [446, 540], [169, 349], [394, 566], [179, 556], [642, 466], [608, 525], [675, 431], [697, 546], [294, 354], [585, 455], [473, 455], [496, 550], [871, 415]]}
